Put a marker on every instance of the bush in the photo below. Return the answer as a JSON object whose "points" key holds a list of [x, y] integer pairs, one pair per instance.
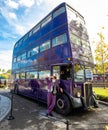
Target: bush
{"points": [[102, 98], [101, 93]]}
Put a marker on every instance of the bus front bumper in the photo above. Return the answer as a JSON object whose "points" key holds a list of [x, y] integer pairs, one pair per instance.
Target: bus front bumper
{"points": [[76, 102], [80, 102]]}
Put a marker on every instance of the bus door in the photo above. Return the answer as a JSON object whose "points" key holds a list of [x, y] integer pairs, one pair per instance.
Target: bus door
{"points": [[64, 74], [66, 77]]}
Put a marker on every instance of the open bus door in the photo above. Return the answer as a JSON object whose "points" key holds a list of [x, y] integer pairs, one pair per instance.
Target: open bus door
{"points": [[63, 73]]}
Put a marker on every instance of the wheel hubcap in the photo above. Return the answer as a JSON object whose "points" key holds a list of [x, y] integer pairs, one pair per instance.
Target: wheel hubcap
{"points": [[60, 103]]}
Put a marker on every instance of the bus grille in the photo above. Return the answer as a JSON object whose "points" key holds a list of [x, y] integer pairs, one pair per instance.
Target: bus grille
{"points": [[88, 94]]}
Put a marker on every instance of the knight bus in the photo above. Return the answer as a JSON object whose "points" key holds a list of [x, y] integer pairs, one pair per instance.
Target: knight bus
{"points": [[58, 45]]}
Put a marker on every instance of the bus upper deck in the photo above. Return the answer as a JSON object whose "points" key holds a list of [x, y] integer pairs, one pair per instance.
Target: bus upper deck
{"points": [[62, 25]]}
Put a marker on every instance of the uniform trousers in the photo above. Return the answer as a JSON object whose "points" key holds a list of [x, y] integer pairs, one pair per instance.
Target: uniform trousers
{"points": [[51, 100]]}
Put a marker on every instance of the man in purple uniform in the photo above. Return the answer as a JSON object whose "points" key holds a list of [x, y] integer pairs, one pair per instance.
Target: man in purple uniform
{"points": [[53, 87]]}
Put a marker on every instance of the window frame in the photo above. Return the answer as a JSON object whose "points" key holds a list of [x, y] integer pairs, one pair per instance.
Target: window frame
{"points": [[43, 44], [25, 37], [28, 75], [23, 56], [30, 33], [46, 20], [14, 59], [18, 58], [36, 52], [70, 13], [56, 39], [75, 38], [85, 44], [43, 75], [80, 73], [35, 29], [30, 52], [59, 11]]}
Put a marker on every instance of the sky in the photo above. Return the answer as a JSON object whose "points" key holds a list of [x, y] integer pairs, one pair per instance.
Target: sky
{"points": [[18, 16]]}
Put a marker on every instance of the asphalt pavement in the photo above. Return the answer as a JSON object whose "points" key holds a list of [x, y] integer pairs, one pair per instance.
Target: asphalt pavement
{"points": [[31, 116]]}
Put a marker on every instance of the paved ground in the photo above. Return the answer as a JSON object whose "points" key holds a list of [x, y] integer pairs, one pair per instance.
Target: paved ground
{"points": [[5, 106], [29, 115]]}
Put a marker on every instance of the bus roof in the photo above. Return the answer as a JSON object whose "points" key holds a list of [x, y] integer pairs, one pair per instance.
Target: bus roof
{"points": [[39, 23]]}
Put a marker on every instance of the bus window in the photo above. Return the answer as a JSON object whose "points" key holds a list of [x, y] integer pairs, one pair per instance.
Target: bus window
{"points": [[35, 29], [43, 74], [29, 53], [22, 75], [80, 19], [45, 46], [75, 39], [79, 73], [25, 37], [30, 33], [35, 50], [85, 44], [17, 76], [47, 20], [71, 15], [88, 74], [56, 71], [14, 59], [66, 72], [16, 45], [23, 56], [31, 75], [19, 58], [58, 12], [59, 40]]}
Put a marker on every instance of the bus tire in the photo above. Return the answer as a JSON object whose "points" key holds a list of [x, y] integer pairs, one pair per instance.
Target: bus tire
{"points": [[16, 88], [63, 105]]}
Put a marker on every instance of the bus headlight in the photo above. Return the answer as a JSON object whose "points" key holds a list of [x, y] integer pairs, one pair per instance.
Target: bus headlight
{"points": [[78, 94]]}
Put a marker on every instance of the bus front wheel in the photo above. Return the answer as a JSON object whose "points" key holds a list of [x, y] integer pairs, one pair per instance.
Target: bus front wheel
{"points": [[63, 105]]}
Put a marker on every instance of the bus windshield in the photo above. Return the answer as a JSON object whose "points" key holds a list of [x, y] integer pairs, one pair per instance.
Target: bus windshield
{"points": [[89, 74], [78, 73]]}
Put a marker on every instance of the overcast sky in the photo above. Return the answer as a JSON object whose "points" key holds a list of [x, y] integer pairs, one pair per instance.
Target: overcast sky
{"points": [[19, 16]]}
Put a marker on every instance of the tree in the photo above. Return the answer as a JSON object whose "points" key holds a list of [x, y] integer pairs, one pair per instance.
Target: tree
{"points": [[3, 70], [6, 74], [101, 56], [9, 71]]}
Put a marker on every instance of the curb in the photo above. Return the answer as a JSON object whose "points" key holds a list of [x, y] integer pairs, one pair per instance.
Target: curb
{"points": [[102, 102], [5, 107]]}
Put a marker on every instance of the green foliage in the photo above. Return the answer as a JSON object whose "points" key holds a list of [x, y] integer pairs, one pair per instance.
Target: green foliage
{"points": [[8, 71], [102, 93], [101, 54], [5, 74], [102, 98]]}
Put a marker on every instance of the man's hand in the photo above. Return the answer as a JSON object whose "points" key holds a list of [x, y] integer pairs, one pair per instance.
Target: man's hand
{"points": [[61, 90]]}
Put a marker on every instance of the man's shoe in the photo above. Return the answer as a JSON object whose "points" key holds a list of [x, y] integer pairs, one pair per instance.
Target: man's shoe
{"points": [[50, 114], [96, 106], [47, 114]]}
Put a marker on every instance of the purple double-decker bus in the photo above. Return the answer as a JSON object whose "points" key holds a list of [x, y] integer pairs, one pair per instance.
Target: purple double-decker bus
{"points": [[58, 45]]}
